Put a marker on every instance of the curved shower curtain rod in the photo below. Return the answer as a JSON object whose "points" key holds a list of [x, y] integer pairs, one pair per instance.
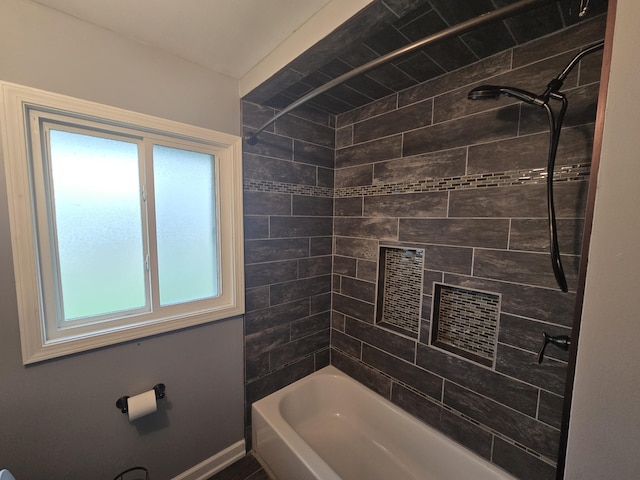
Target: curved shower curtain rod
{"points": [[463, 27]]}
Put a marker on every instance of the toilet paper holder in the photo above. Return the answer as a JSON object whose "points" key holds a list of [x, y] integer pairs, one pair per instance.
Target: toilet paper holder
{"points": [[123, 404]]}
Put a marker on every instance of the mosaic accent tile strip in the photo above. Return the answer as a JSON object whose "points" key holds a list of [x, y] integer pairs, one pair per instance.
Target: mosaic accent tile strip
{"points": [[278, 187], [466, 320], [400, 287], [567, 173]]}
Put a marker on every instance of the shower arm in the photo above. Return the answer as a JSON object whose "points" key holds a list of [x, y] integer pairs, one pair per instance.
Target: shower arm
{"points": [[499, 14]]}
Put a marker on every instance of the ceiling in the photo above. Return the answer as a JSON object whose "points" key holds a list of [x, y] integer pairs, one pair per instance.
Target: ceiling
{"points": [[226, 36]]}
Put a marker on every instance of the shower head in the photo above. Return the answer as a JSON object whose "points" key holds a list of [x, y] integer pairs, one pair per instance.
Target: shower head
{"points": [[485, 92], [493, 92]]}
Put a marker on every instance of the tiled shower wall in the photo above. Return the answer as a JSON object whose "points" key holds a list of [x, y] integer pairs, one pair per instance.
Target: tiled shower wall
{"points": [[465, 181], [288, 207]]}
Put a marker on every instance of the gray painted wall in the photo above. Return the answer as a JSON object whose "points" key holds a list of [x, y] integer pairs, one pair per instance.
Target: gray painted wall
{"points": [[58, 419]]}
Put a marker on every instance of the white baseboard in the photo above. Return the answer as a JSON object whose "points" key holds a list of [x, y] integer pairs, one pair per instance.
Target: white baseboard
{"points": [[213, 465]]}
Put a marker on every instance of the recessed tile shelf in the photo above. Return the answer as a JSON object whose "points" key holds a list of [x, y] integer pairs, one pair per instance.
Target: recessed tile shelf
{"points": [[399, 289], [465, 322]]}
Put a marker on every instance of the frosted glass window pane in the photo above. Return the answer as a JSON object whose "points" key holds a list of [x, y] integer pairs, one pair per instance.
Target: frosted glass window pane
{"points": [[184, 183], [97, 211]]}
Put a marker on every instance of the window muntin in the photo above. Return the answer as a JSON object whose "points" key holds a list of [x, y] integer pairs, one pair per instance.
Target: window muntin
{"points": [[34, 125]]}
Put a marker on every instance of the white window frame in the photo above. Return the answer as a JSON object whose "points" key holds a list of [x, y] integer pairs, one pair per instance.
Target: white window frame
{"points": [[17, 103]]}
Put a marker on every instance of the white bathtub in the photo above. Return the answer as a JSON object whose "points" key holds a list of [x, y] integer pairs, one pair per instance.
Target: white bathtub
{"points": [[328, 426]]}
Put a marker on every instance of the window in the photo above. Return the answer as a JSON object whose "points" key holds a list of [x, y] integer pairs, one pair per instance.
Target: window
{"points": [[123, 225]]}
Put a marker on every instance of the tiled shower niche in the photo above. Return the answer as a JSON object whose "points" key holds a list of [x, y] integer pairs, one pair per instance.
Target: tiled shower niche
{"points": [[399, 289], [465, 322]]}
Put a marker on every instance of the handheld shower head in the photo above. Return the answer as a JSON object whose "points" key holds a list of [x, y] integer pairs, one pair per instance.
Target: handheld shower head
{"points": [[493, 92], [485, 92]]}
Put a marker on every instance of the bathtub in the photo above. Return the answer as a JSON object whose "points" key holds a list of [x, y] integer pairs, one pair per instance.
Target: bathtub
{"points": [[328, 426]]}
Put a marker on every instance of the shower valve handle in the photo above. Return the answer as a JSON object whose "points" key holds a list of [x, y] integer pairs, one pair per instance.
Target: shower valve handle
{"points": [[560, 341]]}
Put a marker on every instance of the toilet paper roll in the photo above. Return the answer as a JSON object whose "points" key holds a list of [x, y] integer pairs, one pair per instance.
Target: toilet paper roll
{"points": [[141, 405]]}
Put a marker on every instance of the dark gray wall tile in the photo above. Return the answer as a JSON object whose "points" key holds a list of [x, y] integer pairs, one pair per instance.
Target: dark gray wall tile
{"points": [[367, 270], [507, 391], [357, 248], [408, 118], [257, 366], [271, 272], [519, 201], [307, 205], [300, 226], [516, 201], [534, 78], [303, 347], [271, 169], [489, 67], [586, 33], [359, 289], [533, 235], [256, 227], [379, 228], [351, 206], [354, 176], [406, 372], [269, 145], [418, 406], [449, 163], [265, 340], [346, 344], [523, 267], [305, 152], [591, 68], [550, 409], [401, 347], [264, 386], [314, 266], [301, 129], [267, 203], [429, 204], [353, 307], [483, 127], [527, 431], [519, 463], [448, 259], [320, 246], [256, 298], [549, 375], [254, 115], [307, 326], [531, 151], [296, 289], [344, 136], [256, 251], [259, 320], [357, 370], [320, 303], [553, 306], [527, 334], [325, 177], [374, 151], [374, 108], [344, 266], [490, 233]]}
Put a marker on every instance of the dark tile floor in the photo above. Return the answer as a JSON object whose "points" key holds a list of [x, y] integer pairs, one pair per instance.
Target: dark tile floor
{"points": [[247, 468]]}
